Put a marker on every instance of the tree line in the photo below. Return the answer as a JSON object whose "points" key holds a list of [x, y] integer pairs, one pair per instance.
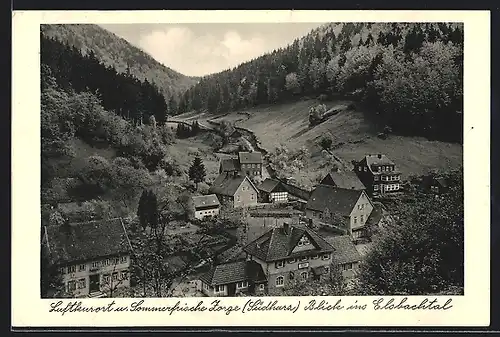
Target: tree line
{"points": [[121, 93], [409, 75]]}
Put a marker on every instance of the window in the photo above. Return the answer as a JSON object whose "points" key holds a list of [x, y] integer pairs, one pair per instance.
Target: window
{"points": [[355, 219], [116, 260], [105, 278], [327, 270], [82, 267], [292, 275], [239, 199], [365, 169], [244, 188], [71, 269], [252, 196], [362, 219], [241, 285], [359, 168], [325, 257], [62, 270], [95, 264], [81, 283], [106, 262], [124, 275], [280, 281], [303, 265], [304, 258], [71, 286], [347, 266], [314, 257], [304, 275], [292, 260], [280, 264], [219, 289], [115, 276], [375, 178], [261, 286], [375, 187]]}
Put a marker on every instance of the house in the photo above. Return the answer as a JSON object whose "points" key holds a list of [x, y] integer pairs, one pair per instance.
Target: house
{"points": [[379, 174], [234, 190], [233, 279], [346, 257], [93, 257], [290, 253], [229, 165], [205, 205], [343, 179], [344, 209], [250, 163], [439, 185], [272, 190]]}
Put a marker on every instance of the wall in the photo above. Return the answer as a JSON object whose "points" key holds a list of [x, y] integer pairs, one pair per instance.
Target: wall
{"points": [[251, 170], [245, 195], [206, 212], [210, 291], [101, 269], [366, 210]]}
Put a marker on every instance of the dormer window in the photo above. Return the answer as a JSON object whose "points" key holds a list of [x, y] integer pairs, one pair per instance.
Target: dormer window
{"points": [[280, 264]]}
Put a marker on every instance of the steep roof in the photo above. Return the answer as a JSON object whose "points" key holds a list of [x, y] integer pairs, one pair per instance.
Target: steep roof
{"points": [[442, 181], [268, 185], [205, 201], [227, 184], [296, 191], [345, 250], [343, 179], [275, 244], [229, 164], [250, 157], [86, 241], [375, 215], [338, 200], [234, 272]]}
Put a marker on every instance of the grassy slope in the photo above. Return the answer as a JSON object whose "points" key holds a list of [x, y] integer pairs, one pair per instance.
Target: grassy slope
{"points": [[288, 124]]}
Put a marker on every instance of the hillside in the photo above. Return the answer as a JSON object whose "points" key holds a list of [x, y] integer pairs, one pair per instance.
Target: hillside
{"points": [[352, 134], [409, 76], [120, 54]]}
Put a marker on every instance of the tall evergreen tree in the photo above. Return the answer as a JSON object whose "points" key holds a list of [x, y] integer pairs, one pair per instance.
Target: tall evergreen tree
{"points": [[197, 171]]}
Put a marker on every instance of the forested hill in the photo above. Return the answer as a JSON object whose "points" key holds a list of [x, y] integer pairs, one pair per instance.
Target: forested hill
{"points": [[408, 75], [114, 51]]}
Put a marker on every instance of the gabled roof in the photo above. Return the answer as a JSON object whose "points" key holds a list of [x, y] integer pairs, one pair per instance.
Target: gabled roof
{"points": [[228, 184], [345, 250], [234, 272], [337, 200], [343, 179], [250, 157], [276, 244], [296, 191], [268, 185], [228, 165], [375, 215], [86, 241], [442, 181], [205, 201]]}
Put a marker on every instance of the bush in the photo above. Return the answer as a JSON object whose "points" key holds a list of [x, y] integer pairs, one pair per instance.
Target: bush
{"points": [[326, 143]]}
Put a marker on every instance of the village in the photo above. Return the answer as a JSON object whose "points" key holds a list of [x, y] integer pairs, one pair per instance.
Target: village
{"points": [[284, 234]]}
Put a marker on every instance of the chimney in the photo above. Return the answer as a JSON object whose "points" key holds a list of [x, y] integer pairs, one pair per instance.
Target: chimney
{"points": [[286, 228], [379, 156]]}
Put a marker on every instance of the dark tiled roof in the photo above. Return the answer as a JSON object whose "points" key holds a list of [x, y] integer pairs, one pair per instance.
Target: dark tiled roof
{"points": [[344, 179], [296, 191], [234, 253], [338, 200], [227, 184], [268, 185], [234, 272], [205, 201], [228, 165], [375, 215], [86, 241], [345, 250], [250, 157], [276, 244], [442, 182]]}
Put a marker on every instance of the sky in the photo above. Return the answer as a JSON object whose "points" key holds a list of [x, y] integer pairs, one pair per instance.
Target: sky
{"points": [[199, 49]]}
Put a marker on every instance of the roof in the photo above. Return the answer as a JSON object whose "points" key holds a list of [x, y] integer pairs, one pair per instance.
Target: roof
{"points": [[205, 201], [338, 200], [268, 185], [345, 250], [250, 157], [234, 272], [275, 244], [296, 191], [343, 179], [375, 216], [229, 165], [175, 263], [442, 181], [228, 184], [234, 253], [378, 159], [86, 240]]}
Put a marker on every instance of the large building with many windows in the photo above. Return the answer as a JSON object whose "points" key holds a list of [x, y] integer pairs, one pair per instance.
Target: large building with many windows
{"points": [[379, 174], [247, 163], [290, 253], [92, 257]]}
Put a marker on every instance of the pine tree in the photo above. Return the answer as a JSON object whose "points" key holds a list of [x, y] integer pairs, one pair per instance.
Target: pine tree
{"points": [[197, 171], [142, 210]]}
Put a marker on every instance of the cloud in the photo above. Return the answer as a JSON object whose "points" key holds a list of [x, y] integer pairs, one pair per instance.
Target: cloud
{"points": [[180, 49]]}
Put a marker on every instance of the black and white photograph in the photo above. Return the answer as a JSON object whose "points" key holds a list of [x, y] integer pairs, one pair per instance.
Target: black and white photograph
{"points": [[251, 159]]}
